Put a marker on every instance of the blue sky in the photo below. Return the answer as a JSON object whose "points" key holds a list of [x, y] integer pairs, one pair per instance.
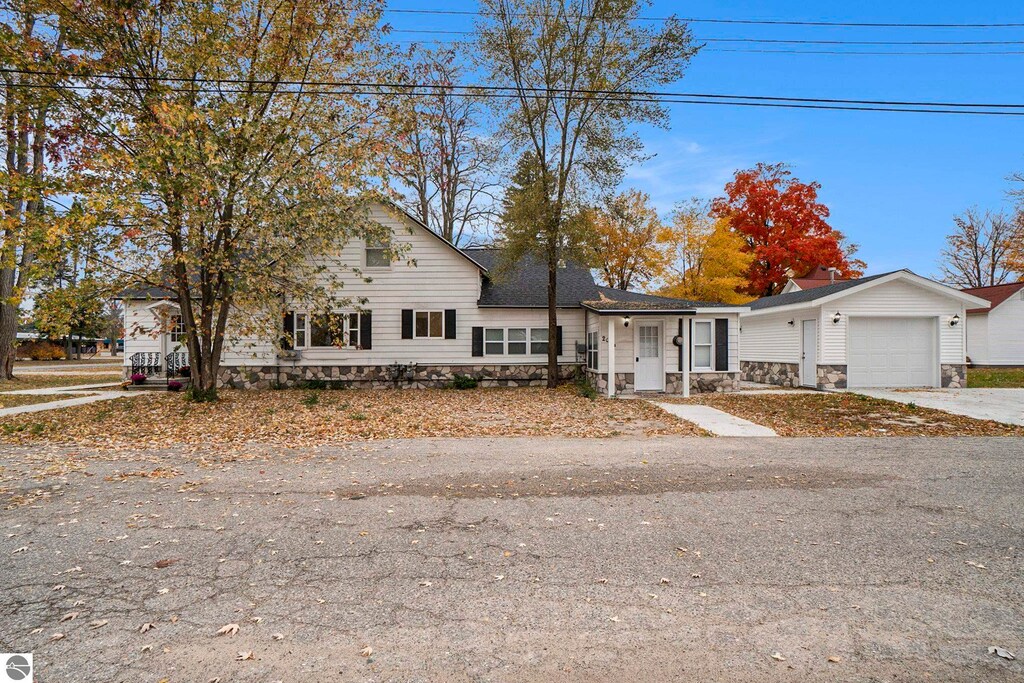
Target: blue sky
{"points": [[893, 181]]}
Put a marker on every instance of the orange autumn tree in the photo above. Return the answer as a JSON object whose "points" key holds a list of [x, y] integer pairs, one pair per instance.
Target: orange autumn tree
{"points": [[632, 247], [784, 227]]}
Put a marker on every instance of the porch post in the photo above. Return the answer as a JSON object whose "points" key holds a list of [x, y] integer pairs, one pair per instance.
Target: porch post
{"points": [[611, 356], [686, 357]]}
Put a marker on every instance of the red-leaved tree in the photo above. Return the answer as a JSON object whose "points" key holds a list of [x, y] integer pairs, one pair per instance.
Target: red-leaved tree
{"points": [[784, 226]]}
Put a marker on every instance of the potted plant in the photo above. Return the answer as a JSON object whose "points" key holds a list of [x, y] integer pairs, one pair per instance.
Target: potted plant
{"points": [[138, 378], [174, 386]]}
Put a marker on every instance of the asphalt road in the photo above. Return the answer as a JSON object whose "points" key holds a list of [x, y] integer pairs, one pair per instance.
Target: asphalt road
{"points": [[526, 560]]}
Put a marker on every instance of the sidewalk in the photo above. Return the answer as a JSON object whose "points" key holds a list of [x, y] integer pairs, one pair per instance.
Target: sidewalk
{"points": [[718, 422], [64, 397]]}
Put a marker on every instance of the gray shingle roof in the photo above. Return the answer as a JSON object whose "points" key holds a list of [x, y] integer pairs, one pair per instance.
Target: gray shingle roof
{"points": [[808, 295], [148, 292], [610, 299]]}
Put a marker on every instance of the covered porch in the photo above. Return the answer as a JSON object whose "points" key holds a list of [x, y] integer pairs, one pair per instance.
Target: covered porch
{"points": [[643, 343]]}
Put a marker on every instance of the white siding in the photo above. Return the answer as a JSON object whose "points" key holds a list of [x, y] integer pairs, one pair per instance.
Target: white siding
{"points": [[141, 329], [896, 298], [997, 337], [770, 337], [625, 355]]}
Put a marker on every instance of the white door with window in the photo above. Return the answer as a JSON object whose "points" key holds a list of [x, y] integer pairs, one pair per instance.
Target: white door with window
{"points": [[649, 373], [809, 354]]}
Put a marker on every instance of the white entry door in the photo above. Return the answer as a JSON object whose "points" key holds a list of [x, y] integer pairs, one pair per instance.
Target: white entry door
{"points": [[649, 373], [809, 354]]}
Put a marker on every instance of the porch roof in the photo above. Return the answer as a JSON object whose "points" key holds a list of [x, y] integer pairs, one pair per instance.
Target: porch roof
{"points": [[618, 302]]}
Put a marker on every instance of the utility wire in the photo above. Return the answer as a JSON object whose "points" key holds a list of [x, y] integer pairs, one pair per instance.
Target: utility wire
{"points": [[493, 89], [707, 20]]}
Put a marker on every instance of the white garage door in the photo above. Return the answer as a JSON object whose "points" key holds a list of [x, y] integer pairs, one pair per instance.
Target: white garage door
{"points": [[892, 352]]}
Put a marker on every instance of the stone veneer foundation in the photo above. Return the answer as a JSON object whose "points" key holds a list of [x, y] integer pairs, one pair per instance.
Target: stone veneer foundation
{"points": [[831, 377], [384, 377], [765, 372], [700, 383], [954, 376]]}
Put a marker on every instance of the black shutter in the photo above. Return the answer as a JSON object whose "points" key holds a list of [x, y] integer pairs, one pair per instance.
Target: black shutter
{"points": [[406, 323], [288, 338], [478, 341], [366, 329], [721, 344], [449, 323], [682, 347], [558, 339]]}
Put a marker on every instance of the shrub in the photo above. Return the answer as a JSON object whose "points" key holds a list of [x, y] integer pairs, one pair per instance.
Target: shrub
{"points": [[138, 378], [40, 350], [462, 382], [357, 416], [196, 395], [175, 386], [585, 388], [318, 384], [311, 399]]}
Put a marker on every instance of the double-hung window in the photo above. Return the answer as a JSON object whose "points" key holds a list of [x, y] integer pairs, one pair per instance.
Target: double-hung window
{"points": [[429, 325], [539, 340], [327, 330], [377, 255], [177, 330], [703, 345], [515, 341], [494, 341], [592, 339]]}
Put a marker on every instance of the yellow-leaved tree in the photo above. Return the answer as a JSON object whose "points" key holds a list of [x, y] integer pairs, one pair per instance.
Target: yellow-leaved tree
{"points": [[711, 264], [632, 247]]}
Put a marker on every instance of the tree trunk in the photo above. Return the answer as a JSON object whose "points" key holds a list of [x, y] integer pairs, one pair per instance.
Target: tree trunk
{"points": [[8, 339], [552, 318]]}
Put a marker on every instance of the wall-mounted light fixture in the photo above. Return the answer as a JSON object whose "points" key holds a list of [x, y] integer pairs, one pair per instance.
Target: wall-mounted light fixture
{"points": [[954, 321], [836, 318], [791, 323], [625, 321]]}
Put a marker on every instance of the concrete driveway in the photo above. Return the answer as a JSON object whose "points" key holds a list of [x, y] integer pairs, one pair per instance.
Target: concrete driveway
{"points": [[1001, 405], [493, 560]]}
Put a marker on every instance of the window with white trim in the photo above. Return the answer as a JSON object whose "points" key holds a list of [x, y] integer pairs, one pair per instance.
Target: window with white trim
{"points": [[177, 330], [377, 255], [516, 341], [494, 341], [702, 345], [322, 331], [539, 340], [429, 325], [592, 339]]}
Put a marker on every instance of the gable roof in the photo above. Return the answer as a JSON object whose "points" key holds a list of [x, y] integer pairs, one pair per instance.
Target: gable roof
{"points": [[803, 296], [839, 289], [524, 284], [462, 252], [994, 294]]}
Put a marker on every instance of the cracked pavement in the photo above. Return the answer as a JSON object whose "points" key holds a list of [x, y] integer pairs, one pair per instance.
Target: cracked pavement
{"points": [[522, 559]]}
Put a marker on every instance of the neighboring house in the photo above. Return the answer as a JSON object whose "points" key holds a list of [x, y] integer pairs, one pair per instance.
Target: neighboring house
{"points": [[892, 330], [819, 277], [995, 336], [443, 311]]}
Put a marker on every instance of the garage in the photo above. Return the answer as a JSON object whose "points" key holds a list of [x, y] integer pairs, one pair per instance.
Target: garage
{"points": [[893, 352]]}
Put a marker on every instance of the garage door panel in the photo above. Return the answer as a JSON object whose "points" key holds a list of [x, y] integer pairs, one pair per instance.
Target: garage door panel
{"points": [[892, 352]]}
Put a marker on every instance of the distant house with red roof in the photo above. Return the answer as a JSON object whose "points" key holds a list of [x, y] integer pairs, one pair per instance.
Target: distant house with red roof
{"points": [[995, 336], [818, 277]]}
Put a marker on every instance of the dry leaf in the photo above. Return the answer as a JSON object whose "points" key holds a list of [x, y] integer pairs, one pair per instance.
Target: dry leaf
{"points": [[69, 616], [20, 550], [98, 623], [56, 636], [834, 659], [1000, 652], [777, 656], [277, 636], [257, 620], [145, 627], [366, 651], [228, 630], [146, 648], [245, 655], [615, 619]]}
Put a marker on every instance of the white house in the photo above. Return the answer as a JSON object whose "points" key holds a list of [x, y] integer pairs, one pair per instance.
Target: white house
{"points": [[443, 311], [995, 335], [891, 330]]}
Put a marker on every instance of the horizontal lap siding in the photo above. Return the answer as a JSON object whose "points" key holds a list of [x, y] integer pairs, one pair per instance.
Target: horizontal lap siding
{"points": [[625, 354], [140, 329], [1006, 332], [770, 337], [977, 338], [892, 299]]}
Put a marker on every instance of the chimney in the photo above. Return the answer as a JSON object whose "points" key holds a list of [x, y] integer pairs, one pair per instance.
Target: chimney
{"points": [[832, 275]]}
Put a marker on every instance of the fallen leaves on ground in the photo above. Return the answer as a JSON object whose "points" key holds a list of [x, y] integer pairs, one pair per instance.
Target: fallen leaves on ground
{"points": [[228, 630], [48, 381], [848, 414], [289, 418]]}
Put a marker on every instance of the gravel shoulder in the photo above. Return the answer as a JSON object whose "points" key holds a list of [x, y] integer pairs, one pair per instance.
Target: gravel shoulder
{"points": [[521, 559]]}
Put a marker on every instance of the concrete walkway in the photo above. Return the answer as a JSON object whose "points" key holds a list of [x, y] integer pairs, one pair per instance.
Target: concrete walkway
{"points": [[1001, 405], [65, 400], [718, 422]]}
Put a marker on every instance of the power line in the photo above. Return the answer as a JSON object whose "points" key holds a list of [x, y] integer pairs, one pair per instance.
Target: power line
{"points": [[500, 92], [777, 40], [473, 87], [707, 20]]}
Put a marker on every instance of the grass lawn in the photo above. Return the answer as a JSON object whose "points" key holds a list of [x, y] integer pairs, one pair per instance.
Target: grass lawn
{"points": [[995, 378], [55, 381], [305, 418], [849, 415]]}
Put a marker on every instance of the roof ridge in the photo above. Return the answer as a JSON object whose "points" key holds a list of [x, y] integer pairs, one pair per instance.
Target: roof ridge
{"points": [[1005, 284]]}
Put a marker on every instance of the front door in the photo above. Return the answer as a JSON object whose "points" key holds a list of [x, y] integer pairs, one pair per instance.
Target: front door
{"points": [[809, 354], [650, 365]]}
